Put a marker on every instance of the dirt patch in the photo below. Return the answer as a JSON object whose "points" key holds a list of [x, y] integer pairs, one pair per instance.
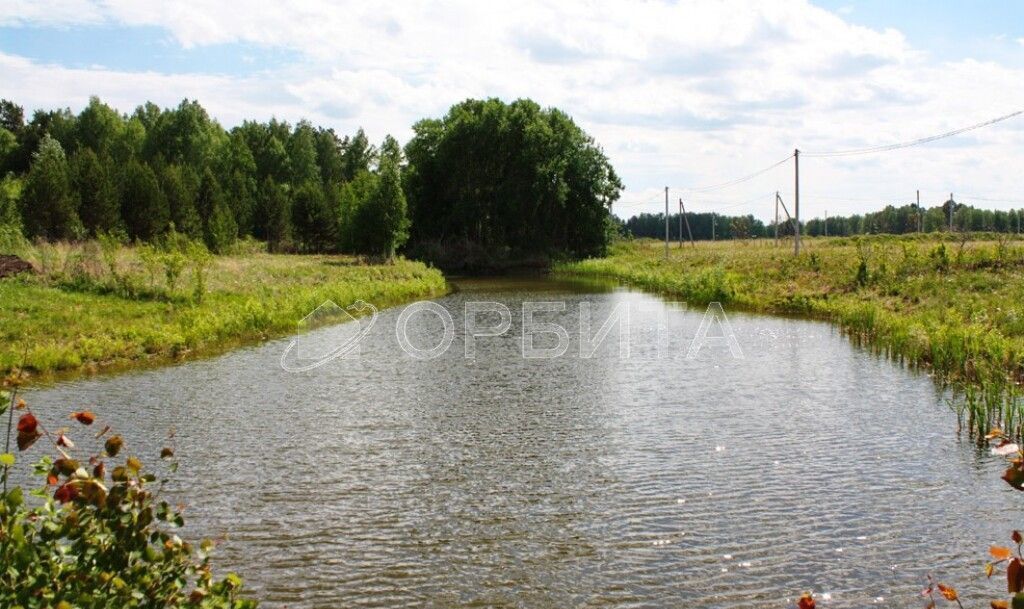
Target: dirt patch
{"points": [[12, 265]]}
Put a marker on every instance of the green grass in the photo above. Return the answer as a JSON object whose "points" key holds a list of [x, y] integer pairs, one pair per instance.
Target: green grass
{"points": [[72, 318], [944, 303]]}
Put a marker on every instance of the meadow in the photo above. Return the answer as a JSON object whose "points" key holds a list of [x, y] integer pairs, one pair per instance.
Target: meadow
{"points": [[950, 304], [100, 306]]}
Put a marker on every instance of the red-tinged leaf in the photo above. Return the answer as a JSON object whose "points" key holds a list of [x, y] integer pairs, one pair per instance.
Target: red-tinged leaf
{"points": [[166, 453], [1017, 537], [85, 417], [1014, 476], [806, 601], [995, 433], [1014, 576], [948, 592], [26, 440], [63, 440], [113, 445], [1000, 605], [99, 470], [1000, 553], [51, 479], [67, 492], [27, 423]]}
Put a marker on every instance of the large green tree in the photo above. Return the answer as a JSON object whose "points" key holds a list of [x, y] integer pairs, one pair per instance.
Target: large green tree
{"points": [[50, 205], [94, 179], [508, 179], [382, 222], [143, 204]]}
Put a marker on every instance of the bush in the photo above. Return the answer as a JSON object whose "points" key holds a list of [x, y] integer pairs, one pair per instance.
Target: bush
{"points": [[92, 538]]}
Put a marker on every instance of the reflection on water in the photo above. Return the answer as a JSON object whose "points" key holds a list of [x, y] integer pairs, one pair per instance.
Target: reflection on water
{"points": [[653, 481]]}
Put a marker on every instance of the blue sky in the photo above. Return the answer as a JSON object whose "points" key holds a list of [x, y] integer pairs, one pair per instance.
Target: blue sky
{"points": [[682, 93]]}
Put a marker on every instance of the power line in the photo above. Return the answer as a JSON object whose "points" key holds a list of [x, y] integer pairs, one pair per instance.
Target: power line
{"points": [[916, 142], [736, 181]]}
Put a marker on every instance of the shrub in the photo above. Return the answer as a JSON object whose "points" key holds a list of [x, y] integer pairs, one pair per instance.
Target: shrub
{"points": [[92, 538]]}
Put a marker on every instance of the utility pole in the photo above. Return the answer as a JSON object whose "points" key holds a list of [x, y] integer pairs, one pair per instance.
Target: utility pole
{"points": [[776, 218], [682, 209], [796, 201], [920, 216], [826, 223], [680, 224], [666, 223], [951, 204]]}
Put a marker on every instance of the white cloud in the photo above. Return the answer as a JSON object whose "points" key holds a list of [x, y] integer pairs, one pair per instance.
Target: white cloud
{"points": [[684, 93]]}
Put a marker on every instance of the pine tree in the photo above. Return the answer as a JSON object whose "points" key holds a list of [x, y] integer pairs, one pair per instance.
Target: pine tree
{"points": [[93, 180], [219, 227], [50, 207], [315, 221], [276, 213], [180, 185], [143, 204]]}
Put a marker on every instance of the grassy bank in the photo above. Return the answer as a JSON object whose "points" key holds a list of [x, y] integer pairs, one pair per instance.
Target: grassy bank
{"points": [[93, 308], [952, 304]]}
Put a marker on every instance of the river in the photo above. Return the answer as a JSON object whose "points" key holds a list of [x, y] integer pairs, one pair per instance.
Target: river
{"points": [[653, 480]]}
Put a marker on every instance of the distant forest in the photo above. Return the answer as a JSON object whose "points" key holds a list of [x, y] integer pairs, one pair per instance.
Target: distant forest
{"points": [[490, 179], [890, 220]]}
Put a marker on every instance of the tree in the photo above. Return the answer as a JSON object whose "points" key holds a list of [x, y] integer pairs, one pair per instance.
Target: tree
{"points": [[49, 204], [357, 155], [219, 227], [93, 180], [302, 154], [238, 176], [98, 126], [12, 116], [351, 196], [383, 222], [314, 219], [276, 212], [181, 185], [143, 204], [510, 180]]}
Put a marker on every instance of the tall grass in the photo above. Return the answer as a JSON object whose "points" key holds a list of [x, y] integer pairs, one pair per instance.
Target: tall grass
{"points": [[949, 304], [92, 306]]}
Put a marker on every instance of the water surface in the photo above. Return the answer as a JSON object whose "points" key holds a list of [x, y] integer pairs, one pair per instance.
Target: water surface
{"points": [[654, 481]]}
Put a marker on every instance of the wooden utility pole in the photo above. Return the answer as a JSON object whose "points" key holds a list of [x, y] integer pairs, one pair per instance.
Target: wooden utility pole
{"points": [[666, 223], [796, 202], [951, 204], [680, 224], [920, 216], [776, 218], [682, 210]]}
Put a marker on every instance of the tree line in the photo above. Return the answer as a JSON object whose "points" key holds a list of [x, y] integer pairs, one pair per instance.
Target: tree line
{"points": [[508, 179], [299, 188], [904, 219], [703, 226]]}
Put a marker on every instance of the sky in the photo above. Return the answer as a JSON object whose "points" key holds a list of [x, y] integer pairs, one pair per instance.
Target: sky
{"points": [[678, 94]]}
